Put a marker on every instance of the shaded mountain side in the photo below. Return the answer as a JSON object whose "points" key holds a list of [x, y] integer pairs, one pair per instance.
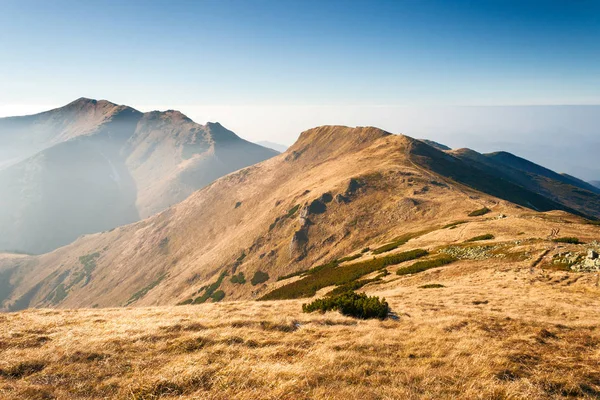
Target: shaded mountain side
{"points": [[527, 166], [103, 166], [437, 145], [335, 193], [595, 183], [456, 169], [559, 191]]}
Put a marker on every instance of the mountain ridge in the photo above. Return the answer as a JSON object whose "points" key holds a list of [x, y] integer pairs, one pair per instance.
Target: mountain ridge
{"points": [[300, 209]]}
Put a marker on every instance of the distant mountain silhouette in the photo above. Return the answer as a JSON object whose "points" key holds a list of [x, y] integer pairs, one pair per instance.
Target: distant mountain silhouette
{"points": [[93, 165]]}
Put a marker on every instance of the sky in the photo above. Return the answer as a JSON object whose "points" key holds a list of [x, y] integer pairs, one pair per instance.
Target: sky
{"points": [[269, 69]]}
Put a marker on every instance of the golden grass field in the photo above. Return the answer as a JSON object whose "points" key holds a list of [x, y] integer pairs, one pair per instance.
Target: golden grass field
{"points": [[497, 330]]}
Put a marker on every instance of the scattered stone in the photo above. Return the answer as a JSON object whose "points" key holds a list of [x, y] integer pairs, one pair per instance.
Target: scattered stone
{"points": [[501, 216], [592, 255]]}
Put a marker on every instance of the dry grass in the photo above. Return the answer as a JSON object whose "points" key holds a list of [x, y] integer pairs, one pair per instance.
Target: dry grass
{"points": [[496, 331]]}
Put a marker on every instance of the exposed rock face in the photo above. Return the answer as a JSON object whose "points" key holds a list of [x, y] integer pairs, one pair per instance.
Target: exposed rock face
{"points": [[326, 198], [341, 199], [353, 186], [592, 255], [317, 207], [298, 243]]}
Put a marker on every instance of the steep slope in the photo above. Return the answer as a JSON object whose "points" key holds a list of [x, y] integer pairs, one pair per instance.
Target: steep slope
{"points": [[334, 192], [101, 165], [595, 183], [570, 192]]}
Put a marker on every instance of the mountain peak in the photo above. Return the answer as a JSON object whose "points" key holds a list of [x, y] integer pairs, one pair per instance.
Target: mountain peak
{"points": [[327, 140]]}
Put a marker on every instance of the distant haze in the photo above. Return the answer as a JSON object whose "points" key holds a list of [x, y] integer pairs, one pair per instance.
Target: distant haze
{"points": [[563, 138]]}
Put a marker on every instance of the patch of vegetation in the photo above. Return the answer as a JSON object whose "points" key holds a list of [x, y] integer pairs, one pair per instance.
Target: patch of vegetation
{"points": [[143, 291], [59, 294], [365, 250], [259, 277], [89, 265], [487, 236], [292, 211], [238, 279], [331, 274], [238, 204], [218, 296], [570, 240], [289, 214], [480, 212], [421, 266], [163, 245], [399, 241], [350, 258], [211, 289], [351, 286], [432, 286], [351, 304], [455, 224], [293, 274]]}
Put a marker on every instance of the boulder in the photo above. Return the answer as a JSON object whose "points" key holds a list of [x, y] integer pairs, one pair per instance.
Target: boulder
{"points": [[317, 207]]}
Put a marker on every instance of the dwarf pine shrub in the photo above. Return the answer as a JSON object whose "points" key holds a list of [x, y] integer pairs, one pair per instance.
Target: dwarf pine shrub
{"points": [[351, 304]]}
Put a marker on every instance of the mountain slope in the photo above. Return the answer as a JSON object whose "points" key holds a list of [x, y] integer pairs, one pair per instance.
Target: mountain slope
{"points": [[595, 183], [97, 165], [571, 193], [336, 191]]}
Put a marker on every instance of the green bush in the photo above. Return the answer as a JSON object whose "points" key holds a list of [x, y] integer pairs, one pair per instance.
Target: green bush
{"points": [[259, 277], [432, 286], [487, 236], [421, 266], [351, 286], [350, 258], [571, 240], [397, 242], [454, 224], [238, 279], [210, 290], [331, 274], [351, 304], [480, 212], [365, 250], [218, 296]]}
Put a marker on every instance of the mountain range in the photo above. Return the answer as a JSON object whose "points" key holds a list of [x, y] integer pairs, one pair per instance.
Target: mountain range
{"points": [[338, 193], [93, 165]]}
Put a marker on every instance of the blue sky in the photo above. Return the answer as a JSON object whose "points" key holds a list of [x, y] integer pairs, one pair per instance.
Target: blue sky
{"points": [[335, 53]]}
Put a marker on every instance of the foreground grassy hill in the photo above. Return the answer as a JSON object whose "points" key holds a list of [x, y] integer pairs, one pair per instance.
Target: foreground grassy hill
{"points": [[476, 329]]}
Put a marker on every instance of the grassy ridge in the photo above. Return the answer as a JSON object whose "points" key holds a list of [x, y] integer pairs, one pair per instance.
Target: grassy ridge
{"points": [[333, 275]]}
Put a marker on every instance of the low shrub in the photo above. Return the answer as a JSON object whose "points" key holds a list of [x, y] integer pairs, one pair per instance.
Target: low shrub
{"points": [[421, 266], [331, 274], [480, 212], [351, 304], [210, 290], [432, 286], [455, 224], [218, 296], [238, 279], [350, 258], [397, 242], [365, 250], [351, 286], [571, 240], [487, 236], [259, 277]]}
